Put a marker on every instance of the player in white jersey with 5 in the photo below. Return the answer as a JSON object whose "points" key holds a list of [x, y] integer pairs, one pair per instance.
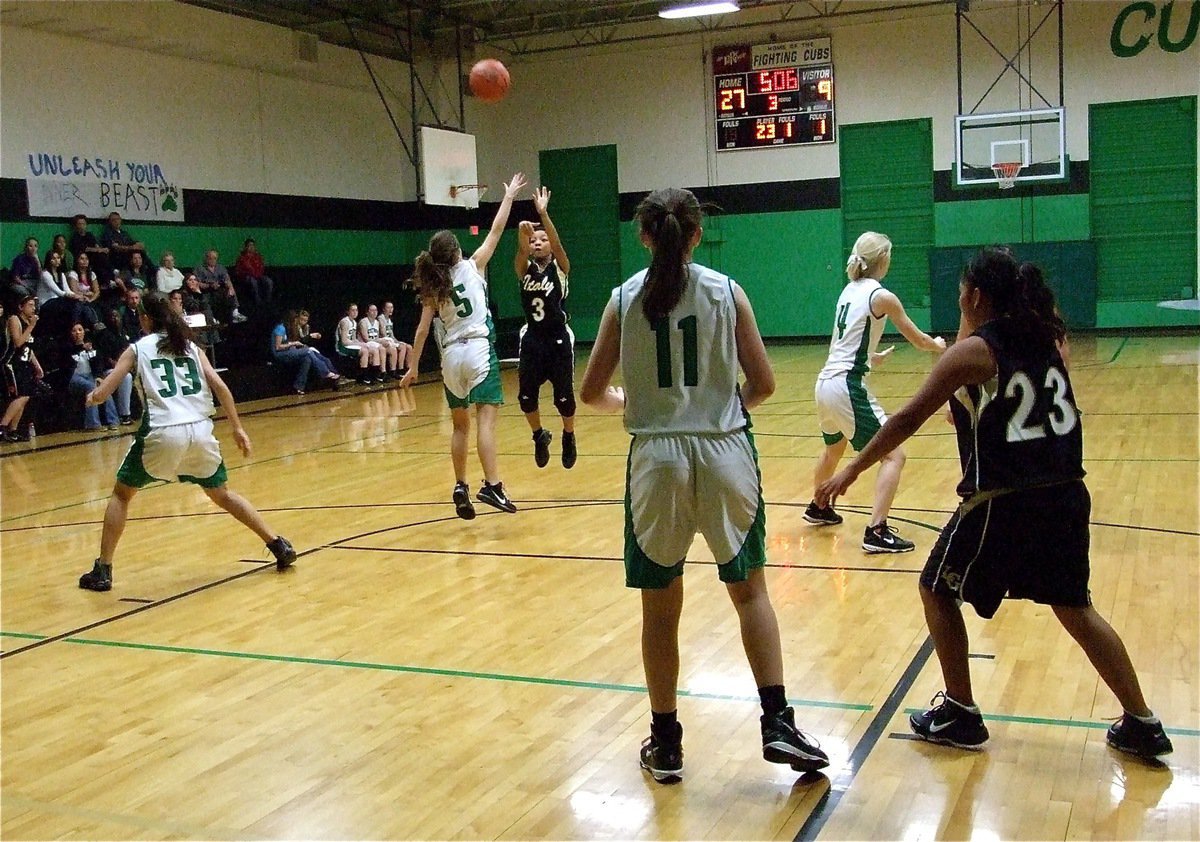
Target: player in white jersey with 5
{"points": [[453, 288], [175, 440], [679, 332], [846, 409]]}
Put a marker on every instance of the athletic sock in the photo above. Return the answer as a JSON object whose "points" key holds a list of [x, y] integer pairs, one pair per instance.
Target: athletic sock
{"points": [[1147, 720], [665, 726], [773, 698], [967, 708]]}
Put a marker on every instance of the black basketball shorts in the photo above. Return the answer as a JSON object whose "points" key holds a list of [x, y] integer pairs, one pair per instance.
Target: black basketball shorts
{"points": [[547, 358], [1030, 544]]}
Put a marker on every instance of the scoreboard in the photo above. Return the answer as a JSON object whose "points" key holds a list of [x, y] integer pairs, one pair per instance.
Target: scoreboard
{"points": [[773, 94]]}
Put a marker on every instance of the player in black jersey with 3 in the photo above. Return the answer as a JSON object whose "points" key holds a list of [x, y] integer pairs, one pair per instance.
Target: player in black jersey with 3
{"points": [[1022, 527], [547, 344]]}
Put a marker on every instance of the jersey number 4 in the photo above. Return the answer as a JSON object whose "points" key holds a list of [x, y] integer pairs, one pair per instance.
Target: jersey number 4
{"points": [[662, 344], [1061, 417], [190, 373]]}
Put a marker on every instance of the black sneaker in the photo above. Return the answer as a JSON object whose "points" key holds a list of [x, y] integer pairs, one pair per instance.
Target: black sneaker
{"points": [[950, 724], [99, 578], [541, 447], [784, 743], [126, 420], [569, 454], [17, 436], [283, 551], [462, 501], [663, 761], [822, 517], [494, 495], [883, 539], [1132, 736]]}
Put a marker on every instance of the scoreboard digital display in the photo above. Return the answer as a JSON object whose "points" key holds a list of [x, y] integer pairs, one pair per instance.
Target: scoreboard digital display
{"points": [[773, 94]]}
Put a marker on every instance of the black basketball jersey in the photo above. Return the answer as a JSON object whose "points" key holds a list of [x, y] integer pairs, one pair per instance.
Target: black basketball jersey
{"points": [[543, 292], [1021, 428]]}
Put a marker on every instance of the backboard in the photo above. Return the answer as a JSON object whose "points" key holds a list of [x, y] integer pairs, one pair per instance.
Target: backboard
{"points": [[1036, 139], [448, 161]]}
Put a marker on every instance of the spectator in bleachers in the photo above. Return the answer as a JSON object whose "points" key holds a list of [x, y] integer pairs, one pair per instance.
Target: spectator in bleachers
{"points": [[53, 283], [387, 338], [196, 301], [252, 273], [293, 353], [59, 245], [27, 266], [136, 276], [119, 243], [58, 304], [348, 345], [84, 241], [21, 369], [303, 333], [168, 278], [129, 314], [84, 378], [175, 299], [83, 283], [214, 280]]}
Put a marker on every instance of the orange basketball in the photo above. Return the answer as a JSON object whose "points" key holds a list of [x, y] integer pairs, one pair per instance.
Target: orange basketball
{"points": [[489, 80]]}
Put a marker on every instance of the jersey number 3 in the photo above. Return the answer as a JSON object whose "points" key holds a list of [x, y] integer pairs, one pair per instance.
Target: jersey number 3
{"points": [[166, 371], [1062, 416]]}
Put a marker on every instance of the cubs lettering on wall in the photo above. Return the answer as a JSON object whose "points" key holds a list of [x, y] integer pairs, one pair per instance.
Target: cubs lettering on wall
{"points": [[1136, 26], [62, 185]]}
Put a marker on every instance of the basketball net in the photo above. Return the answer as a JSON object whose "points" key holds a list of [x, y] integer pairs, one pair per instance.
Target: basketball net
{"points": [[1006, 174], [455, 189]]}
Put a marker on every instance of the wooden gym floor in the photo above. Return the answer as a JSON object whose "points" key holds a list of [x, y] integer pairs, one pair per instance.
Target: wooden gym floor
{"points": [[418, 677]]}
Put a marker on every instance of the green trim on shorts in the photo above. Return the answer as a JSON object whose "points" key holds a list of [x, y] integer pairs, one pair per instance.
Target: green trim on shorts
{"points": [[753, 553], [219, 478], [133, 471], [831, 439], [866, 425], [487, 391], [640, 570]]}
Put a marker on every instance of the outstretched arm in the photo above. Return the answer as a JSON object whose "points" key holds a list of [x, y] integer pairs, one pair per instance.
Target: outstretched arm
{"points": [[885, 303], [113, 379], [414, 360], [488, 247], [541, 201], [606, 353], [521, 258]]}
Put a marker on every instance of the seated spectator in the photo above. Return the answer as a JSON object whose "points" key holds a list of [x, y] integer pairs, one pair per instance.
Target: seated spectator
{"points": [[110, 344], [250, 271], [58, 304], [175, 300], [136, 276], [59, 245], [119, 243], [292, 352], [349, 346], [87, 290], [214, 280], [392, 345], [84, 241], [84, 378], [308, 337], [371, 334], [20, 369], [27, 267], [168, 278], [196, 301]]}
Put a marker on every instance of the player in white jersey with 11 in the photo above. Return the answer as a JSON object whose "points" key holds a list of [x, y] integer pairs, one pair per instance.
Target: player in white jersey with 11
{"points": [[175, 441], [679, 332], [453, 289], [846, 409]]}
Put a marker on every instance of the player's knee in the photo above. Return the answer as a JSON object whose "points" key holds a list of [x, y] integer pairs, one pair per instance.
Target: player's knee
{"points": [[529, 402], [896, 457], [565, 405]]}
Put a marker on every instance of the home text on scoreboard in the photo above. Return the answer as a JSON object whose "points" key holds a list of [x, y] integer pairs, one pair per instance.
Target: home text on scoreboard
{"points": [[773, 94]]}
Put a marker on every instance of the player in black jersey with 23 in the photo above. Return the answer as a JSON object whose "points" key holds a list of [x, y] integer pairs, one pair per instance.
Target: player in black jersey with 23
{"points": [[547, 344], [1022, 528]]}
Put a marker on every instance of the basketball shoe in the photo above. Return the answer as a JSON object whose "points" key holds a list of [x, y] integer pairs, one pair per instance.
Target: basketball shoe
{"points": [[1141, 739], [99, 578], [569, 454], [950, 724], [283, 551], [784, 743], [821, 516], [883, 539], [462, 501], [494, 495], [662, 758], [541, 447]]}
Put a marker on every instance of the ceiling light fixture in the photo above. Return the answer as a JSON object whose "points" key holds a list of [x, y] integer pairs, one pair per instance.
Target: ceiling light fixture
{"points": [[692, 10]]}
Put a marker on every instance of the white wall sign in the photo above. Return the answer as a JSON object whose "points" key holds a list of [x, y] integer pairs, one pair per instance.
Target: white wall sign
{"points": [[64, 185]]}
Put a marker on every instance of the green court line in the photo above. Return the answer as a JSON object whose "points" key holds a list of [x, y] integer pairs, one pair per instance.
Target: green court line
{"points": [[487, 676], [1120, 348], [1065, 723]]}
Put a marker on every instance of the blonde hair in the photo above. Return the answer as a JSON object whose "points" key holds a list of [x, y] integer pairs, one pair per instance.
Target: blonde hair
{"points": [[869, 249]]}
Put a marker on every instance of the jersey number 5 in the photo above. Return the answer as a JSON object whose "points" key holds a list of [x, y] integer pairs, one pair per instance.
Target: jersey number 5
{"points": [[462, 306], [1062, 416], [166, 372], [662, 344]]}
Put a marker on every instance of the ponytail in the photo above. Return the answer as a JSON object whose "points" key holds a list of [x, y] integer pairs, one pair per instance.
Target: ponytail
{"points": [[1039, 301], [670, 219], [165, 320], [1017, 292], [431, 269], [868, 253]]}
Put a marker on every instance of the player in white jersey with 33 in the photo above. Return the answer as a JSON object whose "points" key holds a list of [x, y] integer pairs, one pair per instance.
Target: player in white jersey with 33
{"points": [[679, 332], [453, 289], [846, 409], [175, 440]]}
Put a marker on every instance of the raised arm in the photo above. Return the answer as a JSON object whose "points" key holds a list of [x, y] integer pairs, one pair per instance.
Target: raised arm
{"points": [[113, 379], [418, 346], [752, 354], [885, 303], [225, 398], [521, 258], [541, 201], [488, 247], [606, 353]]}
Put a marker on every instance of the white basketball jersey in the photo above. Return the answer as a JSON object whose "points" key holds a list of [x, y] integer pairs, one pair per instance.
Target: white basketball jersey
{"points": [[856, 331], [370, 328], [174, 389], [465, 314], [680, 375]]}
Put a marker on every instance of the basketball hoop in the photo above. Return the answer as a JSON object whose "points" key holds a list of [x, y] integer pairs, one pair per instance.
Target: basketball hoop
{"points": [[1006, 174], [455, 189]]}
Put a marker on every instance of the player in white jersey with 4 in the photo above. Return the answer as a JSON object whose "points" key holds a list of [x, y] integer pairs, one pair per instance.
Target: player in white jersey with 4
{"points": [[679, 332], [453, 289], [846, 409], [175, 440]]}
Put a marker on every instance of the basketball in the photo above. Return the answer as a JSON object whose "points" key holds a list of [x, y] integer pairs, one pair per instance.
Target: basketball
{"points": [[489, 80]]}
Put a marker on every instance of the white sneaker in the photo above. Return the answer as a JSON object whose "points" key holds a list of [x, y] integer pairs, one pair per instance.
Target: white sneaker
{"points": [[238, 318]]}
